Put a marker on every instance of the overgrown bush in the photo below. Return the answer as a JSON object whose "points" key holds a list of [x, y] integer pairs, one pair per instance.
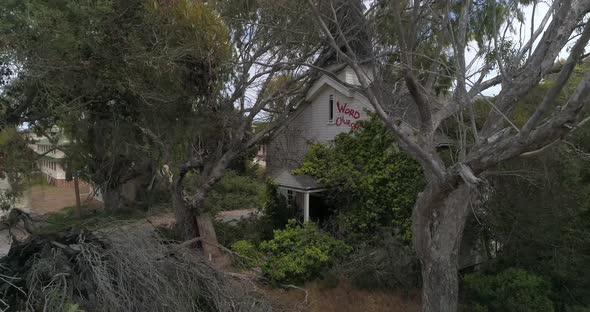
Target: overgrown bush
{"points": [[275, 210], [274, 215], [298, 253], [373, 183], [248, 255], [235, 191], [382, 264], [251, 229], [512, 290]]}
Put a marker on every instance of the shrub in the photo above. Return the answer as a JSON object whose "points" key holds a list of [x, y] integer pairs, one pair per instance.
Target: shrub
{"points": [[510, 290], [235, 191], [382, 264], [275, 210], [577, 309], [248, 254], [373, 183], [298, 253], [253, 229]]}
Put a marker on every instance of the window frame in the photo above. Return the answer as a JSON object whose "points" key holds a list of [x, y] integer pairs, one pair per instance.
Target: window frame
{"points": [[331, 109]]}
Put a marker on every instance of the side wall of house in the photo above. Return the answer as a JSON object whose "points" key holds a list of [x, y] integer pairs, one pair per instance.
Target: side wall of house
{"points": [[313, 124]]}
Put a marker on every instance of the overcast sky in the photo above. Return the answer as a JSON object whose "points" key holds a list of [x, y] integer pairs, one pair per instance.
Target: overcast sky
{"points": [[540, 12]]}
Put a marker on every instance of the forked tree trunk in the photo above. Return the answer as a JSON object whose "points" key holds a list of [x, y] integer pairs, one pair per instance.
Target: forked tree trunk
{"points": [[186, 219], [438, 221], [190, 224]]}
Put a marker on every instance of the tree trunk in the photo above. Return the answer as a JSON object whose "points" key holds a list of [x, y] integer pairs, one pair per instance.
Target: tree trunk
{"points": [[186, 223], [78, 211], [438, 222], [111, 199], [209, 241], [190, 224]]}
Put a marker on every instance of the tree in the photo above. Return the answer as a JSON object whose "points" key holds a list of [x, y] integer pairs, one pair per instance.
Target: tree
{"points": [[181, 96], [440, 32], [15, 163], [270, 53], [536, 218], [91, 68]]}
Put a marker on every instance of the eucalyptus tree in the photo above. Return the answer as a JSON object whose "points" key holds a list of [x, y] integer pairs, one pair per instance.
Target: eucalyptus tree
{"points": [[174, 85], [421, 82], [271, 43]]}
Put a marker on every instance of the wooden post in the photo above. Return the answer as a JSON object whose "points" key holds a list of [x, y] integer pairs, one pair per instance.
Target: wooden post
{"points": [[78, 211], [305, 207]]}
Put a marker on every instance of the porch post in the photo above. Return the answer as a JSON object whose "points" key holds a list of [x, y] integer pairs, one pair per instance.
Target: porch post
{"points": [[306, 207]]}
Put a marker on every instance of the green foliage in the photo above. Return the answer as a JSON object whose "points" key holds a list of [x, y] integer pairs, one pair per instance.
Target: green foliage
{"points": [[275, 210], [16, 162], [234, 192], [248, 255], [372, 181], [541, 218], [105, 71], [298, 253], [250, 229], [382, 264], [513, 290], [274, 215]]}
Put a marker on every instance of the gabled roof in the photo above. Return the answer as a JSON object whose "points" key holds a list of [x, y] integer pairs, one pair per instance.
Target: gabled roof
{"points": [[327, 81]]}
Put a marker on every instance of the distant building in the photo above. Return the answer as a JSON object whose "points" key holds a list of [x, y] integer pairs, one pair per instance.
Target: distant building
{"points": [[51, 155]]}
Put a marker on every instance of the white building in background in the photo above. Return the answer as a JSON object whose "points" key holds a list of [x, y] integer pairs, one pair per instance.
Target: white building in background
{"points": [[332, 108], [50, 161]]}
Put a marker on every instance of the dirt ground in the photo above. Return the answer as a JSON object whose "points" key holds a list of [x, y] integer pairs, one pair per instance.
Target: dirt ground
{"points": [[41, 199]]}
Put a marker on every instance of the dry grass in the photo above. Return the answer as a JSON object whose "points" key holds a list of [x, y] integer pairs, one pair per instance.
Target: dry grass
{"points": [[128, 271], [342, 298]]}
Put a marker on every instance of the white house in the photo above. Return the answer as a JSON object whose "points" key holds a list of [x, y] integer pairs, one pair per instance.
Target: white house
{"points": [[50, 162], [333, 107]]}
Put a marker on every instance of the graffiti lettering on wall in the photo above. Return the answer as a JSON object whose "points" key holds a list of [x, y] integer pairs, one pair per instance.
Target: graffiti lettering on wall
{"points": [[349, 117]]}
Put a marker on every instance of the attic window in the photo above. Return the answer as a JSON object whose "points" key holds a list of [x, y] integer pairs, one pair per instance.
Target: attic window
{"points": [[331, 108]]}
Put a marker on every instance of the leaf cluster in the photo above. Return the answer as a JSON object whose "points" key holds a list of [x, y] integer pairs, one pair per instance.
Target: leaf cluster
{"points": [[298, 253], [372, 181]]}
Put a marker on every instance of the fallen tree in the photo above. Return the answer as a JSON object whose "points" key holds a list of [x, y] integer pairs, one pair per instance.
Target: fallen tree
{"points": [[77, 270]]}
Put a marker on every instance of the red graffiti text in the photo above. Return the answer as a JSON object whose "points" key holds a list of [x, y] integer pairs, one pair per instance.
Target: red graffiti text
{"points": [[346, 113]]}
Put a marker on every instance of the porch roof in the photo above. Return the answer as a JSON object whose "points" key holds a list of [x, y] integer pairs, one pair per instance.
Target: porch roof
{"points": [[301, 182]]}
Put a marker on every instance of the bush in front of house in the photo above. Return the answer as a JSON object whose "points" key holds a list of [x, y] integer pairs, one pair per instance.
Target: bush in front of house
{"points": [[384, 263], [512, 290], [299, 253], [370, 180], [247, 255]]}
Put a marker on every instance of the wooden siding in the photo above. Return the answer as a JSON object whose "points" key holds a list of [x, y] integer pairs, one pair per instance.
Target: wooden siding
{"points": [[313, 125]]}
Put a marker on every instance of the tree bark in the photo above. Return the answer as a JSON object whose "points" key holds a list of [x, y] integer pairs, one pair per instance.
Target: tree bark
{"points": [[438, 222], [186, 222], [190, 224], [111, 199], [209, 241], [78, 211]]}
